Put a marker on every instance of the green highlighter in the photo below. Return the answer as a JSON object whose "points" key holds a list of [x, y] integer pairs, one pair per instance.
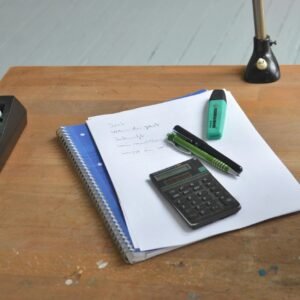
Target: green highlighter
{"points": [[216, 114]]}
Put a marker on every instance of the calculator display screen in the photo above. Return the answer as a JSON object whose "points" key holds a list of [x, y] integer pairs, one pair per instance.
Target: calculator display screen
{"points": [[172, 172], [177, 178]]}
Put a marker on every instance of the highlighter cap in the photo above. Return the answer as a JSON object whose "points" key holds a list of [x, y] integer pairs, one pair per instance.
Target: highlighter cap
{"points": [[216, 115], [218, 95]]}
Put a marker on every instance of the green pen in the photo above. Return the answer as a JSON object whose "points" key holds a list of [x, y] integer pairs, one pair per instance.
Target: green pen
{"points": [[189, 148]]}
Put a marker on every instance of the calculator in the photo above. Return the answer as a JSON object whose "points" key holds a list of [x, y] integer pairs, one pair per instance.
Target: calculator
{"points": [[195, 193]]}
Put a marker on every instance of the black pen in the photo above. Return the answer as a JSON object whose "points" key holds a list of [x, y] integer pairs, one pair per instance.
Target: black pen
{"points": [[194, 140]]}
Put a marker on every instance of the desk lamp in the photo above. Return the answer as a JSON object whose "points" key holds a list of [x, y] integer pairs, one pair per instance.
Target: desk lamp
{"points": [[263, 66]]}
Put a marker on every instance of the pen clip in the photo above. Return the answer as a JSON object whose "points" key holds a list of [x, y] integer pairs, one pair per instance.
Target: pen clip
{"points": [[179, 148], [182, 135]]}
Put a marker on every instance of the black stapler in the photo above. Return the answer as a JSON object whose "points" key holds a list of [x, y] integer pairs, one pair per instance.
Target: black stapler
{"points": [[13, 119]]}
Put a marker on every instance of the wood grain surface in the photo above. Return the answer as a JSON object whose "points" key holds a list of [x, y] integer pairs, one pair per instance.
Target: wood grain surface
{"points": [[53, 245]]}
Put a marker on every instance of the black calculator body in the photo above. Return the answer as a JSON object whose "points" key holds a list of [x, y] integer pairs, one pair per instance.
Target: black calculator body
{"points": [[195, 193]]}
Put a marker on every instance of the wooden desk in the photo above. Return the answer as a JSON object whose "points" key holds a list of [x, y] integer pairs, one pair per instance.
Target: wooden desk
{"points": [[50, 231]]}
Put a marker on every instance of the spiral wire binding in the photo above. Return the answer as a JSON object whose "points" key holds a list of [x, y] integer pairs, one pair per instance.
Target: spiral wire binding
{"points": [[97, 196]]}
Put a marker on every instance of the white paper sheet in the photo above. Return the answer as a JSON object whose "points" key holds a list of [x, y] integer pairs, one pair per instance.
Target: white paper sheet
{"points": [[132, 144]]}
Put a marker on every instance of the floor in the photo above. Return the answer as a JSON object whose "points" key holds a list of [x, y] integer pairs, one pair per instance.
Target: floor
{"points": [[141, 32]]}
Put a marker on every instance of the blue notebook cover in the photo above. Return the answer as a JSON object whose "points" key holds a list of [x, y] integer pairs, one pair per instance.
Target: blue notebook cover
{"points": [[86, 158], [84, 144], [79, 144]]}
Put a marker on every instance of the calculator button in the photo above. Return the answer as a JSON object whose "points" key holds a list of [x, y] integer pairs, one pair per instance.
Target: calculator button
{"points": [[214, 207], [171, 192], [204, 211], [188, 208], [202, 193], [175, 196], [227, 200]]}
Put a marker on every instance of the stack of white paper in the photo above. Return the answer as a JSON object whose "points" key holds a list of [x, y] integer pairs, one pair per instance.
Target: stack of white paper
{"points": [[133, 145]]}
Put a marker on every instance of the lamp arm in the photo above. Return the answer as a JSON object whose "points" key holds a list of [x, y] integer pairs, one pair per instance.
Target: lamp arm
{"points": [[259, 19], [263, 66]]}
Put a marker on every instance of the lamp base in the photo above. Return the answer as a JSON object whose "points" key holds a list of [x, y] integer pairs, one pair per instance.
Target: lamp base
{"points": [[263, 66]]}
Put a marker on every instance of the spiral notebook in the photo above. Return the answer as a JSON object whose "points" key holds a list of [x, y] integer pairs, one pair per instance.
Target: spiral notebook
{"points": [[83, 152], [81, 149]]}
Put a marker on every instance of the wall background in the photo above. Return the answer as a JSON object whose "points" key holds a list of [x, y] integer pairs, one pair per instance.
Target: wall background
{"points": [[141, 32]]}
